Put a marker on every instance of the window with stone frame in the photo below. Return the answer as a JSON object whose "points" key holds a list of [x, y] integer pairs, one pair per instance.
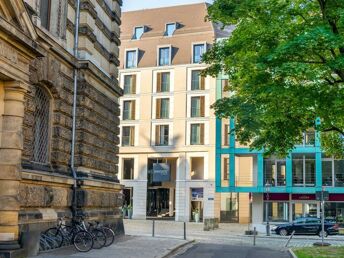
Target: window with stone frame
{"points": [[45, 8], [41, 126]]}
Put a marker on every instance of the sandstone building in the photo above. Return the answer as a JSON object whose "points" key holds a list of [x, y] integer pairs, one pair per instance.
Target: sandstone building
{"points": [[36, 99]]}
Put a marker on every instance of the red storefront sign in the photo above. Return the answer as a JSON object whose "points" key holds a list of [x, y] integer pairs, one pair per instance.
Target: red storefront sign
{"points": [[303, 197], [336, 198], [276, 197]]}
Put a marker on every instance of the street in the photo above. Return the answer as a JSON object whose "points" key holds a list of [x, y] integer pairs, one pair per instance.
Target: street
{"points": [[225, 251]]}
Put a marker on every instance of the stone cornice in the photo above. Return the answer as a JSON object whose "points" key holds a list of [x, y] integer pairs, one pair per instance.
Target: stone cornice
{"points": [[86, 31], [86, 4]]}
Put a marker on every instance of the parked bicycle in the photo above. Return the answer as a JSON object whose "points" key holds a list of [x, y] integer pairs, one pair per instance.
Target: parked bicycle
{"points": [[109, 233]]}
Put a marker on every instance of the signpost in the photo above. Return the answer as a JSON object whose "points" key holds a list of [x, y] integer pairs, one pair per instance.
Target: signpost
{"points": [[322, 196]]}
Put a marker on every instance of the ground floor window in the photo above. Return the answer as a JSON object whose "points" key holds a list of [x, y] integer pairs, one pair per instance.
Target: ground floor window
{"points": [[229, 207], [334, 211], [301, 210], [277, 211]]}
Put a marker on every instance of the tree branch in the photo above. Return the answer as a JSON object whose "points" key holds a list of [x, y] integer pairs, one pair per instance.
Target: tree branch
{"points": [[335, 129]]}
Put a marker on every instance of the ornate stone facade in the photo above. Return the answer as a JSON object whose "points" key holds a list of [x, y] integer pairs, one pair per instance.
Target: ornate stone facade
{"points": [[35, 151]]}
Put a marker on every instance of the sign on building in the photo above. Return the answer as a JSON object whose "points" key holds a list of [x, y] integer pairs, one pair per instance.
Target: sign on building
{"points": [[161, 172]]}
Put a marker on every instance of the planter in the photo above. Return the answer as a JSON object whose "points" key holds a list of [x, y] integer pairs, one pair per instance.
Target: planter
{"points": [[130, 214], [124, 213], [196, 217]]}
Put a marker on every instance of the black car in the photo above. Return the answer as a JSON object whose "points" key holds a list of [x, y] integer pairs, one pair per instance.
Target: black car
{"points": [[307, 226]]}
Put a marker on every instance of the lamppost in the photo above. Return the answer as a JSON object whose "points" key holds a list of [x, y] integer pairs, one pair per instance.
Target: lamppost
{"points": [[267, 190]]}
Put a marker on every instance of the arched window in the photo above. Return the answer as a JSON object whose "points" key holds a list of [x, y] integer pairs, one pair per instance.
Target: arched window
{"points": [[41, 127]]}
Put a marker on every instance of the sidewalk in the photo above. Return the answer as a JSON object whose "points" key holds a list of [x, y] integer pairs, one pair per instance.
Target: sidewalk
{"points": [[125, 247]]}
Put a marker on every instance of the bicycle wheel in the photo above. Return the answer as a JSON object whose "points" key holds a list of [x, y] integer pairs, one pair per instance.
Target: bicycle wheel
{"points": [[54, 233], [110, 235], [68, 234], [83, 241], [99, 238]]}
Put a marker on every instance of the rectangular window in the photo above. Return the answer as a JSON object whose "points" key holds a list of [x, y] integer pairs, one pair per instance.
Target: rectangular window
{"points": [[128, 169], [197, 168], [339, 173], [131, 59], [277, 211], [197, 134], [226, 135], [129, 84], [161, 135], [129, 110], [164, 56], [198, 51], [128, 135], [170, 29], [45, 13], [275, 172], [303, 169], [226, 169], [162, 108], [197, 81], [163, 82], [197, 106], [138, 32], [327, 171]]}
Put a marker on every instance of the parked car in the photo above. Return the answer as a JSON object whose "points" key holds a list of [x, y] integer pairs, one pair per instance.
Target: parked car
{"points": [[307, 226]]}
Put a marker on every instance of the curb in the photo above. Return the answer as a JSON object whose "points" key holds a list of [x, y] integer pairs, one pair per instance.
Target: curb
{"points": [[175, 248], [292, 254]]}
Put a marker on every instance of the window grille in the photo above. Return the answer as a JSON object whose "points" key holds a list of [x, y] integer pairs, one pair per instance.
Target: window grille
{"points": [[41, 127]]}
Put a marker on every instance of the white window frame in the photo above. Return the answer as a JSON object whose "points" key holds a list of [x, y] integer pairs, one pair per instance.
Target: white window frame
{"points": [[155, 76], [192, 49], [125, 57], [134, 32], [158, 55], [189, 80], [138, 82], [137, 109], [206, 132], [206, 105], [170, 134], [171, 107], [169, 23]]}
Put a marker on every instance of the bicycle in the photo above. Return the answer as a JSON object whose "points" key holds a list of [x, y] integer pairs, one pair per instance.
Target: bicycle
{"points": [[99, 237], [109, 233]]}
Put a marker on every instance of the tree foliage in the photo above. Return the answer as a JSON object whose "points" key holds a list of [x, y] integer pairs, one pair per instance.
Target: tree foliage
{"points": [[285, 62]]}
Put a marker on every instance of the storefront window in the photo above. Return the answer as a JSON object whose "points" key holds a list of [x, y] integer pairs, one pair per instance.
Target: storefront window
{"points": [[301, 210], [229, 207], [277, 211], [303, 169], [334, 211]]}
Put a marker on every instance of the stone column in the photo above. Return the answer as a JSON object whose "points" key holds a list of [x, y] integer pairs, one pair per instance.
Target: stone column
{"points": [[10, 162]]}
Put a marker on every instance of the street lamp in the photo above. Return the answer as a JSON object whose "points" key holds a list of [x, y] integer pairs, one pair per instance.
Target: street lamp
{"points": [[267, 190]]}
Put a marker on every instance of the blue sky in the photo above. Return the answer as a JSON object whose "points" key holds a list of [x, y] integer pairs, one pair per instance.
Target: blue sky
{"points": [[130, 5]]}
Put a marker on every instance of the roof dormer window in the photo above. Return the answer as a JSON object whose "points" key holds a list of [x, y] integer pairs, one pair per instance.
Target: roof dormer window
{"points": [[170, 29], [138, 32]]}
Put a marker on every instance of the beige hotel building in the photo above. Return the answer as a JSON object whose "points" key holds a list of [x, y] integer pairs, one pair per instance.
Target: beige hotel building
{"points": [[167, 136]]}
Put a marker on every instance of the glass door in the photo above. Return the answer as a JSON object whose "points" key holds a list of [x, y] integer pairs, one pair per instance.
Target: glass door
{"points": [[305, 210]]}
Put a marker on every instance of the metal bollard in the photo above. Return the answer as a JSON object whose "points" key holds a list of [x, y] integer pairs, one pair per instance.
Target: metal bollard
{"points": [[184, 230], [153, 229], [254, 236], [291, 236]]}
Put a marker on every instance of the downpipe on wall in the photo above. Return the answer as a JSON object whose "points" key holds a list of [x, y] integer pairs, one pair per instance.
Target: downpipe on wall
{"points": [[75, 92]]}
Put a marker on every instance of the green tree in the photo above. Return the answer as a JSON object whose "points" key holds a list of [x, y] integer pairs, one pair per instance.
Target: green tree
{"points": [[285, 62]]}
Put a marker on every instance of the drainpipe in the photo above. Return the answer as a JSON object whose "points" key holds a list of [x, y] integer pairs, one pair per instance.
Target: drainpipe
{"points": [[75, 89]]}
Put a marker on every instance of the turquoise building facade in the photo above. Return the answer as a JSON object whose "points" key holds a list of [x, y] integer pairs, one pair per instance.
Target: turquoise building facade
{"points": [[286, 185]]}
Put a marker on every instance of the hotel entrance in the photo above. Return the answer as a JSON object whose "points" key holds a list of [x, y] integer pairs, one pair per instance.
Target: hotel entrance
{"points": [[161, 188]]}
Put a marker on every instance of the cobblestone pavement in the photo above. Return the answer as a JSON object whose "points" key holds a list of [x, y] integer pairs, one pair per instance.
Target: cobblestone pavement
{"points": [[126, 247], [227, 234]]}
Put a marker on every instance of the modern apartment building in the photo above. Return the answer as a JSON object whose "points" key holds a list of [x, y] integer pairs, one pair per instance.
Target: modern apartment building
{"points": [[167, 145], [285, 188]]}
